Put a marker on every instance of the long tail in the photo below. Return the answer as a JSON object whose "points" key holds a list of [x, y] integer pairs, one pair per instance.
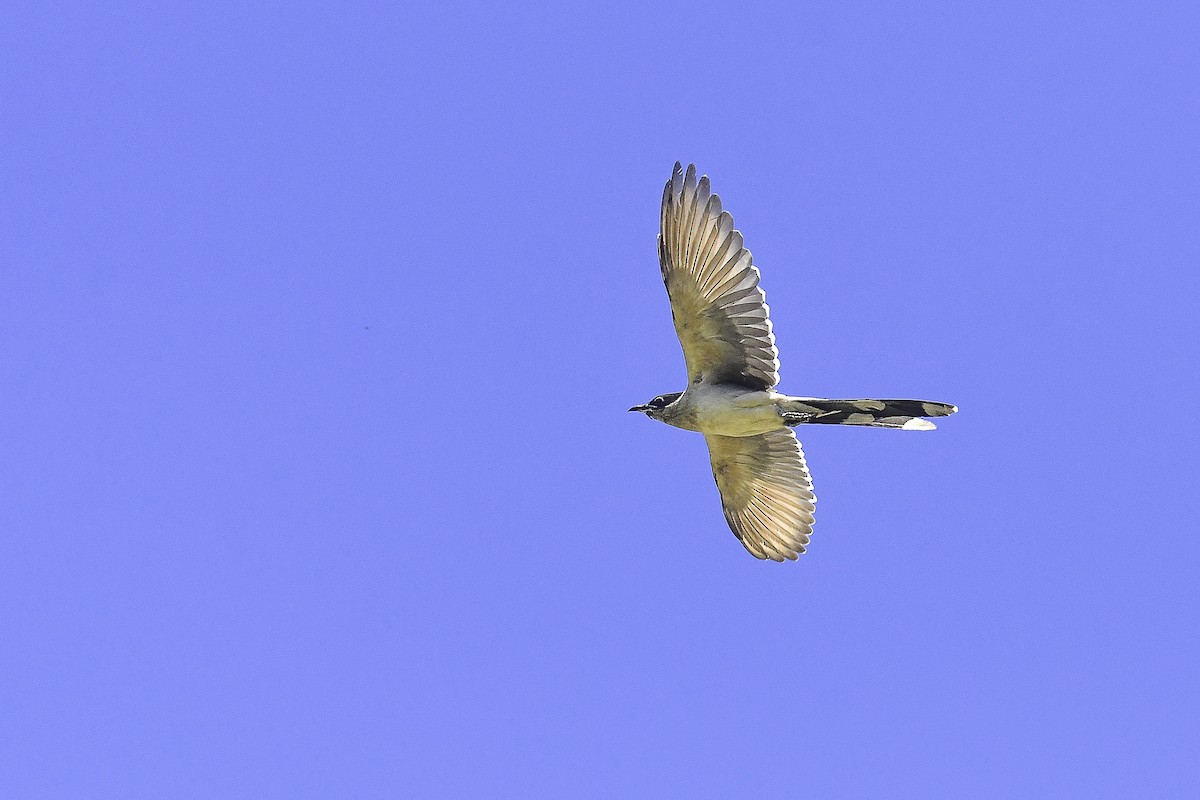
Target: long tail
{"points": [[903, 414]]}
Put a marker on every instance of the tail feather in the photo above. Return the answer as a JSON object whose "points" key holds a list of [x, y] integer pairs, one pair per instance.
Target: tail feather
{"points": [[902, 414]]}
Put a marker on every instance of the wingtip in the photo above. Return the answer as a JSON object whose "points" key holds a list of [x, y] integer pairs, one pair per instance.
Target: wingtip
{"points": [[675, 185]]}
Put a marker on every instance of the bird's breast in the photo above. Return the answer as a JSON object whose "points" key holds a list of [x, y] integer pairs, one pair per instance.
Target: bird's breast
{"points": [[725, 410]]}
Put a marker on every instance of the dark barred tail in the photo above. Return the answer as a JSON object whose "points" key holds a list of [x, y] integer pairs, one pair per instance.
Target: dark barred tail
{"points": [[902, 414]]}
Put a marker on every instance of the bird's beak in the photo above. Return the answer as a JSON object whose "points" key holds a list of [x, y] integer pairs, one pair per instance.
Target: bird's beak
{"points": [[639, 408]]}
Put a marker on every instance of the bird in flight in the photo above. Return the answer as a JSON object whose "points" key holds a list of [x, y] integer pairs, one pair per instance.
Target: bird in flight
{"points": [[721, 317]]}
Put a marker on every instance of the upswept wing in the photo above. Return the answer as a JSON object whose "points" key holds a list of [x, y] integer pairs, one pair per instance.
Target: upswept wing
{"points": [[720, 312], [766, 492]]}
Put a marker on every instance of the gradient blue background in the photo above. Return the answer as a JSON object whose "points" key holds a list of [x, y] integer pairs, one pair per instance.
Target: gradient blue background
{"points": [[318, 328]]}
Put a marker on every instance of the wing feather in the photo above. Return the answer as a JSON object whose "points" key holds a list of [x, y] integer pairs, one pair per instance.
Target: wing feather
{"points": [[766, 492], [719, 310]]}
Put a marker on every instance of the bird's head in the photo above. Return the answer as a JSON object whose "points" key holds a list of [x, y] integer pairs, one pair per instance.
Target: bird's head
{"points": [[656, 406]]}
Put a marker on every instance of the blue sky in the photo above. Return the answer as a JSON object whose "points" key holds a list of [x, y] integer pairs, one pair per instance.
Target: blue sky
{"points": [[319, 323]]}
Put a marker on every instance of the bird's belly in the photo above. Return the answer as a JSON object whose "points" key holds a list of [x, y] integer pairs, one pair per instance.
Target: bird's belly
{"points": [[736, 413]]}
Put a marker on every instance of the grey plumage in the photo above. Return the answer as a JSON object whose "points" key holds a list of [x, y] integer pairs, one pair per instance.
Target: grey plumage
{"points": [[724, 327]]}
